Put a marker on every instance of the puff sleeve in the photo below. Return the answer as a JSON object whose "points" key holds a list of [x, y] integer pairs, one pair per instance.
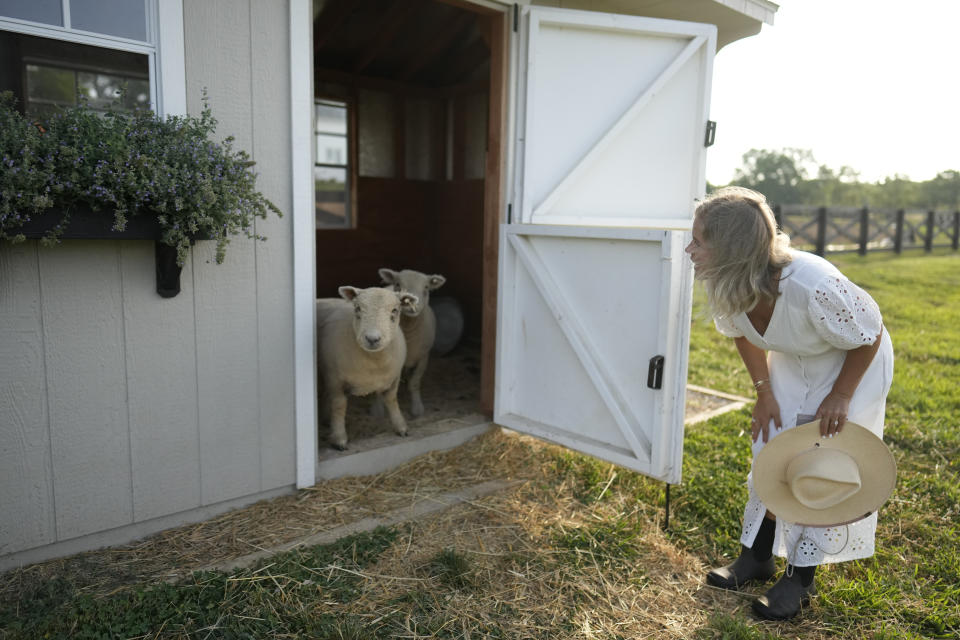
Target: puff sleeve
{"points": [[844, 314], [726, 326]]}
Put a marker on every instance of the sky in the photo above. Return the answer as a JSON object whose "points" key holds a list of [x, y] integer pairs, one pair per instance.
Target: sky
{"points": [[870, 84]]}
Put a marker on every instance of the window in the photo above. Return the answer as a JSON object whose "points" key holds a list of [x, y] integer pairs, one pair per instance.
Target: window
{"points": [[331, 170], [55, 52], [46, 74]]}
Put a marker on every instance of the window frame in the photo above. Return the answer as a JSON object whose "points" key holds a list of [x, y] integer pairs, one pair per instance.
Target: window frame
{"points": [[351, 165]]}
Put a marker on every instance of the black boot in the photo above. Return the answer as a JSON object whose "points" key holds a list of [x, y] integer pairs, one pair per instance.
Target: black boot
{"points": [[788, 596], [754, 563]]}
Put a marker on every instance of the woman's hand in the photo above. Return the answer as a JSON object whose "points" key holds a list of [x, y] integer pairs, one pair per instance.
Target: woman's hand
{"points": [[833, 413], [765, 410]]}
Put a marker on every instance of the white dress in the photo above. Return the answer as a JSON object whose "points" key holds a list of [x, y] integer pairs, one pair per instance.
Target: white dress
{"points": [[817, 318]]}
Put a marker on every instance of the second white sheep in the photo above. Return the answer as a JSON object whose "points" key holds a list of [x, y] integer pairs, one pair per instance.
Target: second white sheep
{"points": [[418, 323]]}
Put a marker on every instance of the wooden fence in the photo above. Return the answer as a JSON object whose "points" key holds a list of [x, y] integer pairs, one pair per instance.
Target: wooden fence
{"points": [[846, 229]]}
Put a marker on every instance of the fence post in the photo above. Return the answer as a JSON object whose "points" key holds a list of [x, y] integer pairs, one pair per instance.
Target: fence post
{"points": [[821, 231], [928, 240], [898, 239], [956, 230], [864, 230], [778, 216]]}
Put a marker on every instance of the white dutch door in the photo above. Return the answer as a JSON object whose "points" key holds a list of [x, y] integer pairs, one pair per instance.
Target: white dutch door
{"points": [[594, 305]]}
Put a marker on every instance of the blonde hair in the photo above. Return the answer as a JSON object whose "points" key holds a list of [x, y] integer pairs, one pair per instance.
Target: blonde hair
{"points": [[746, 250]]}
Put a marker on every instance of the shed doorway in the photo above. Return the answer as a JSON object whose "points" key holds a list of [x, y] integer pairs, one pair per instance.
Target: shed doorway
{"points": [[409, 106]]}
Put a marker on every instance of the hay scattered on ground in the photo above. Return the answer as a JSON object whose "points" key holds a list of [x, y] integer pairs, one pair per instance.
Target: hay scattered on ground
{"points": [[502, 534]]}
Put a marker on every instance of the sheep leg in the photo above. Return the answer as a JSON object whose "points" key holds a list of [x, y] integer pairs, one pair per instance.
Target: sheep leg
{"points": [[376, 406], [413, 385], [338, 416], [393, 409]]}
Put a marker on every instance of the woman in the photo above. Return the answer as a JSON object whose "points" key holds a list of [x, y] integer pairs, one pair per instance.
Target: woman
{"points": [[815, 348]]}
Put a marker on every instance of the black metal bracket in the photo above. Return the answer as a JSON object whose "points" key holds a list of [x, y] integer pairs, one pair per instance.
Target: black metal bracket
{"points": [[711, 134], [666, 509], [655, 373], [168, 271]]}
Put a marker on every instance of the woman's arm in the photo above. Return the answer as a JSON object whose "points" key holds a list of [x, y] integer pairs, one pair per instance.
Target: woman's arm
{"points": [[833, 410], [766, 408]]}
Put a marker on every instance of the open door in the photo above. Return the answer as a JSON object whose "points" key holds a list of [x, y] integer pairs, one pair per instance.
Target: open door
{"points": [[594, 287]]}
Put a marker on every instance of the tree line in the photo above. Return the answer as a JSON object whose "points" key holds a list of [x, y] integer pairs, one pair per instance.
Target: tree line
{"points": [[783, 176]]}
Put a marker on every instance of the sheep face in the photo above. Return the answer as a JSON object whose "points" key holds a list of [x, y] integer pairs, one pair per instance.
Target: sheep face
{"points": [[419, 284], [376, 315]]}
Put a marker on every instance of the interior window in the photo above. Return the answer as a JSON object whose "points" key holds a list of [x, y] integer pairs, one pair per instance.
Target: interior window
{"points": [[331, 171]]}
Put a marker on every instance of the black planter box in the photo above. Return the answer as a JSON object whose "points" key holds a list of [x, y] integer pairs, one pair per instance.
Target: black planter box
{"points": [[86, 224]]}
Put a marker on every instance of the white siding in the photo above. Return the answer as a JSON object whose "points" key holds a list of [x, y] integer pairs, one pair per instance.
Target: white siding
{"points": [[271, 149], [26, 472], [86, 385], [121, 409]]}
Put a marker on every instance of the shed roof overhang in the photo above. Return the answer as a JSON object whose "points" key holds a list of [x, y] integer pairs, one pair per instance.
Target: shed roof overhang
{"points": [[734, 19]]}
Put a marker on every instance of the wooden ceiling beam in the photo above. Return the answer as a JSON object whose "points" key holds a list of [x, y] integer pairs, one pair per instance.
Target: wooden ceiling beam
{"points": [[384, 32], [330, 19], [456, 27]]}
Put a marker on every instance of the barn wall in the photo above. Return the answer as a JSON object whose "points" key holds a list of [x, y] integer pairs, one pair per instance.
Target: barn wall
{"points": [[391, 232], [127, 412], [457, 240], [430, 226]]}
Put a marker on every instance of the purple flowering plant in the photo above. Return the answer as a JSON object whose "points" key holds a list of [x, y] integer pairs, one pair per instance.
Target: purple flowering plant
{"points": [[127, 164]]}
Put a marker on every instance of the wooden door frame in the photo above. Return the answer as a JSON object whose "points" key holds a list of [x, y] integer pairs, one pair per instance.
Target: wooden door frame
{"points": [[493, 196]]}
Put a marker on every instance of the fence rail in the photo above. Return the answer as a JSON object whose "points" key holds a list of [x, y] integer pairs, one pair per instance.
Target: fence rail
{"points": [[847, 229]]}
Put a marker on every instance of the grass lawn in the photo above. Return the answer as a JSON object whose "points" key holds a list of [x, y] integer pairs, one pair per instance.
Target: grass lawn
{"points": [[577, 551]]}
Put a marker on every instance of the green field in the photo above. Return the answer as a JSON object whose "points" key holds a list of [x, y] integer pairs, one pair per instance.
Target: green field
{"points": [[578, 552]]}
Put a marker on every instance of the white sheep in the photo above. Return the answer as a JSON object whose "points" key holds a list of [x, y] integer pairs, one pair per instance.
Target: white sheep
{"points": [[362, 351], [419, 326]]}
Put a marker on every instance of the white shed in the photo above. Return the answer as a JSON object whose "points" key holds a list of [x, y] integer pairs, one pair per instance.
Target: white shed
{"points": [[544, 156]]}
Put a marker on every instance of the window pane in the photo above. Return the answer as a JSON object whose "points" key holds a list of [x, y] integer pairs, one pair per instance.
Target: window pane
{"points": [[330, 117], [104, 89], [51, 85], [375, 135], [45, 11], [124, 18], [331, 149], [330, 189]]}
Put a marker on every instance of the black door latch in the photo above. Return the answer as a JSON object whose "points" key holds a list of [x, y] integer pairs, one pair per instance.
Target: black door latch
{"points": [[655, 373]]}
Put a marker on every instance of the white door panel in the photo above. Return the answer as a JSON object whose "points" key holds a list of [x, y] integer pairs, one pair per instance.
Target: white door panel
{"points": [[594, 285], [574, 347], [615, 112]]}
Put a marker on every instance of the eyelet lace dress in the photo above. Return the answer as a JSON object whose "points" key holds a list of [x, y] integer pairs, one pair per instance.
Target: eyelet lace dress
{"points": [[819, 316]]}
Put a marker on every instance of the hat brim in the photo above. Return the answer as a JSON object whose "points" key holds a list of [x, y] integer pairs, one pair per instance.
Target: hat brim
{"points": [[878, 474]]}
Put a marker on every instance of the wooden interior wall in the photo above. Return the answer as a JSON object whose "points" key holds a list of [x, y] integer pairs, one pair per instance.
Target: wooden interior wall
{"points": [[430, 226], [457, 240], [391, 232]]}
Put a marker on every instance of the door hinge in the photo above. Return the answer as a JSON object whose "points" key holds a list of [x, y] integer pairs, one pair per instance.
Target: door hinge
{"points": [[516, 17], [655, 373], [510, 213], [711, 133]]}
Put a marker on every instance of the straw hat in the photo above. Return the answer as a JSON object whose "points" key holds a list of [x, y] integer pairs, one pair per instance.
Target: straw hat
{"points": [[823, 482]]}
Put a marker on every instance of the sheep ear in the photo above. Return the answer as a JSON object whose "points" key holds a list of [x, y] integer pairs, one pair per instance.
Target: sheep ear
{"points": [[348, 293], [408, 301], [389, 276], [436, 281]]}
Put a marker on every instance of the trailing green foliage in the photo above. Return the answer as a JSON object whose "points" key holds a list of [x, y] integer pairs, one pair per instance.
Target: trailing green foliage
{"points": [[127, 164]]}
